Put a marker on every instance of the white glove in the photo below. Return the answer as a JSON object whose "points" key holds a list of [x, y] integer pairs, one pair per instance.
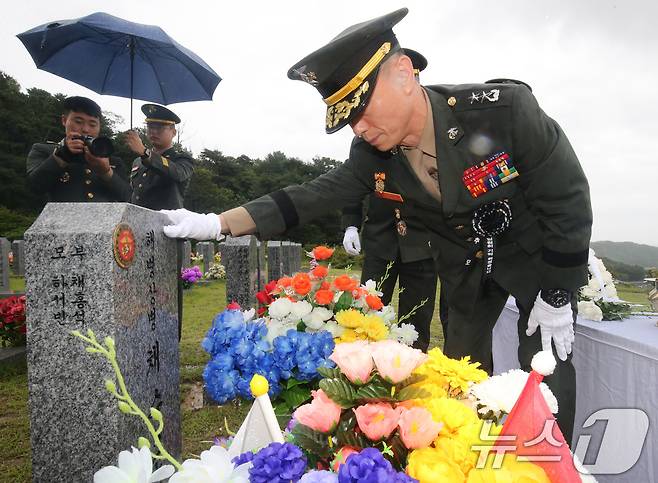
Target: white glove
{"points": [[351, 241], [556, 323], [187, 224]]}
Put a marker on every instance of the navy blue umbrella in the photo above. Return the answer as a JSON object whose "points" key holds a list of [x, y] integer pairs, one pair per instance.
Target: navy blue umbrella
{"points": [[112, 56]]}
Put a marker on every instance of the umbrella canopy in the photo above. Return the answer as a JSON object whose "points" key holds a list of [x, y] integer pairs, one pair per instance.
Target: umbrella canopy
{"points": [[113, 56]]}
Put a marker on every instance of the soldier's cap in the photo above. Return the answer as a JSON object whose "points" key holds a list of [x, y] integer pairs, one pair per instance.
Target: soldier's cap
{"points": [[418, 60], [82, 104], [345, 70], [159, 114]]}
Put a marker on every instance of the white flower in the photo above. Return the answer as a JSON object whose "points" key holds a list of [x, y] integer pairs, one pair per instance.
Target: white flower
{"points": [[134, 467], [387, 313], [301, 309], [589, 310], [498, 394], [590, 293], [314, 320], [214, 467], [276, 327], [610, 293], [334, 328], [403, 333], [371, 288], [280, 308], [247, 315]]}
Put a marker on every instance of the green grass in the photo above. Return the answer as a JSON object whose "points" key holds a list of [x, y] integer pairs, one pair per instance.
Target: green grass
{"points": [[634, 294]]}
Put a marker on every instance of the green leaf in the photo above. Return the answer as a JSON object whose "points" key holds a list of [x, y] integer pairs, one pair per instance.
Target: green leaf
{"points": [[292, 382], [346, 434], [344, 302], [400, 452], [312, 441], [339, 391], [296, 396], [412, 379], [375, 390], [329, 372], [412, 392]]}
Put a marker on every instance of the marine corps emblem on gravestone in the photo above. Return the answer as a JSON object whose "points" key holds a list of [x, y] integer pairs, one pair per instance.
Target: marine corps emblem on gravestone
{"points": [[124, 245]]}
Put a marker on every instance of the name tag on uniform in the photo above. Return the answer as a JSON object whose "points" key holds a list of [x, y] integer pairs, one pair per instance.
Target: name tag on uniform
{"points": [[387, 195], [489, 174], [135, 168]]}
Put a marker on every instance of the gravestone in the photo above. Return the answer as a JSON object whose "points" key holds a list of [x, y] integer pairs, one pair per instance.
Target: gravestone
{"points": [[262, 264], [240, 258], [187, 254], [207, 249], [18, 250], [106, 267], [296, 254], [274, 261], [286, 251], [4, 268]]}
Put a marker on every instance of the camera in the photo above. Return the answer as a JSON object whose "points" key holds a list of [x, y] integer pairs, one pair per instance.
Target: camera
{"points": [[100, 147]]}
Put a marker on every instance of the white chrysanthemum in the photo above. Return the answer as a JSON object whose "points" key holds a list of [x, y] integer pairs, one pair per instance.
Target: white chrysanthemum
{"points": [[280, 308], [276, 327], [403, 333], [135, 466], [387, 313], [214, 466], [247, 315], [371, 287], [301, 309], [331, 326], [498, 394], [315, 320], [587, 309]]}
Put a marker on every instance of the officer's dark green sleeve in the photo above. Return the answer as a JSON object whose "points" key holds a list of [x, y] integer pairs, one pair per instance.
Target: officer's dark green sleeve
{"points": [[556, 191], [118, 184], [42, 168], [352, 215], [298, 204], [179, 169]]}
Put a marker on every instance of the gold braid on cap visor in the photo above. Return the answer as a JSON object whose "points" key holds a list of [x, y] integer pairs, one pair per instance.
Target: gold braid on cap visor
{"points": [[365, 71]]}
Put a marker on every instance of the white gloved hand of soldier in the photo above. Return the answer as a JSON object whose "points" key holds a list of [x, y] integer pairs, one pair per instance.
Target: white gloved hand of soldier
{"points": [[188, 224], [351, 241], [555, 324]]}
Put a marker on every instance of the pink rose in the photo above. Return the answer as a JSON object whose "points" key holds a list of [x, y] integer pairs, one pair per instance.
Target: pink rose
{"points": [[341, 456], [377, 420], [417, 428], [321, 414], [354, 360], [394, 361]]}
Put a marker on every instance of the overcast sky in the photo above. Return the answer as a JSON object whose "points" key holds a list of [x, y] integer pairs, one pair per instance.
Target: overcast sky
{"points": [[592, 65]]}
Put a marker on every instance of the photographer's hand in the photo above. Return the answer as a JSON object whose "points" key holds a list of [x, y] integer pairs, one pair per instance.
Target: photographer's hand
{"points": [[135, 143], [76, 146], [101, 166]]}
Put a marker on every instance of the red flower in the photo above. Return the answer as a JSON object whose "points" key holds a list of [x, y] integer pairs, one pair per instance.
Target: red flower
{"points": [[374, 302], [263, 298], [345, 283], [301, 282], [324, 297], [271, 287], [320, 271], [233, 306], [322, 253]]}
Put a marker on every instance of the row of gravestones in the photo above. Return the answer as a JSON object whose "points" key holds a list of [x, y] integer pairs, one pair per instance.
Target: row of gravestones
{"points": [[108, 267], [18, 250]]}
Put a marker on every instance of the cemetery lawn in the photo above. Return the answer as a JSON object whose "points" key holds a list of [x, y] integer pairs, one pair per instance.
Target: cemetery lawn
{"points": [[200, 423]]}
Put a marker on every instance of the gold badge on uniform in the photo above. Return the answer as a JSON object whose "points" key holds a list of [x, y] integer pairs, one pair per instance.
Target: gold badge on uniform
{"points": [[380, 178], [400, 223], [65, 177]]}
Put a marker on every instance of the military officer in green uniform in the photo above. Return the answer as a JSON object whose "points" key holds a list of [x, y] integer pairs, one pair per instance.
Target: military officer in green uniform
{"points": [[68, 171], [509, 212], [159, 176], [396, 245]]}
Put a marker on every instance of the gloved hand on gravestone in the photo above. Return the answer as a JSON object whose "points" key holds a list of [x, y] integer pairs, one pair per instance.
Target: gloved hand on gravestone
{"points": [[555, 324], [188, 224], [351, 241]]}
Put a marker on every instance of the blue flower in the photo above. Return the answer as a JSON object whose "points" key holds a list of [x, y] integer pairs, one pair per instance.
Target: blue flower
{"points": [[319, 477], [278, 463], [370, 466], [243, 458]]}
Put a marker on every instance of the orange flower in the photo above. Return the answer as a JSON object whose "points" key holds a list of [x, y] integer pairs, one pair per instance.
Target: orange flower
{"points": [[284, 282], [324, 297], [374, 302], [325, 285], [345, 283], [301, 282], [322, 253], [320, 271]]}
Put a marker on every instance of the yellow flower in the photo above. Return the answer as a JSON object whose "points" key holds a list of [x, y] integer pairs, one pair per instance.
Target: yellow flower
{"points": [[373, 328], [456, 375], [453, 414], [429, 465], [350, 318], [511, 471], [349, 335]]}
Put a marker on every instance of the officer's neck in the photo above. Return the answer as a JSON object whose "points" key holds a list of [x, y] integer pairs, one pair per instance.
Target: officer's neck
{"points": [[418, 118], [161, 150]]}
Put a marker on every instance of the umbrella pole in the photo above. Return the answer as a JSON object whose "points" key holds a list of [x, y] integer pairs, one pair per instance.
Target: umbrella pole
{"points": [[132, 63]]}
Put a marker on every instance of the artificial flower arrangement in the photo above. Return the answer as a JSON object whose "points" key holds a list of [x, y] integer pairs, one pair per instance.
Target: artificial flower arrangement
{"points": [[387, 413], [598, 300], [12, 321], [217, 271], [190, 276]]}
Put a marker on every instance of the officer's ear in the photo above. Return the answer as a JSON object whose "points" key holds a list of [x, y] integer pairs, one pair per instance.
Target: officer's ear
{"points": [[401, 71], [65, 116]]}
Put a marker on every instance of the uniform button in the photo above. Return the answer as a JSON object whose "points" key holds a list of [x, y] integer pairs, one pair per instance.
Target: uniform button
{"points": [[136, 197], [87, 171], [452, 101], [469, 239], [90, 195], [429, 244], [479, 254], [459, 227], [144, 175], [87, 181], [139, 185]]}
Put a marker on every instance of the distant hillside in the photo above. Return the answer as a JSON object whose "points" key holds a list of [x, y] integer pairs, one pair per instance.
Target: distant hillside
{"points": [[627, 252]]}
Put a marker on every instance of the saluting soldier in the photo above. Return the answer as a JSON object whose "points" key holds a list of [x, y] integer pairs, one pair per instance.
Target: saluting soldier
{"points": [[510, 211], [159, 176], [68, 171], [396, 244]]}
